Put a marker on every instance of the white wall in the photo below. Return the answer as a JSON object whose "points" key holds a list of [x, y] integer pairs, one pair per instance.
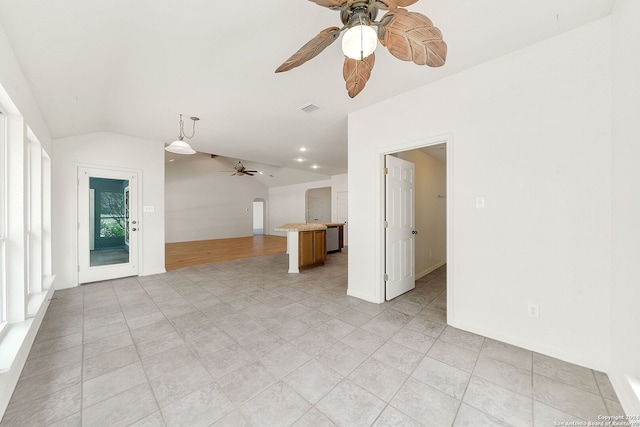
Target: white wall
{"points": [[16, 86], [204, 203], [430, 211], [625, 345], [104, 149], [287, 204], [530, 132]]}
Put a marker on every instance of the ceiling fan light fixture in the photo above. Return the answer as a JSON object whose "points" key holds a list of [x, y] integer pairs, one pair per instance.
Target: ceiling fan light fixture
{"points": [[359, 41]]}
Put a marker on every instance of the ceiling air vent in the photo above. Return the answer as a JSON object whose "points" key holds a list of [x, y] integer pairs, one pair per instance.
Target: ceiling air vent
{"points": [[309, 108]]}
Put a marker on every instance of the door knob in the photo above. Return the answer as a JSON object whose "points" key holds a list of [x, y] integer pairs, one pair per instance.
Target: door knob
{"points": [[414, 232], [134, 229]]}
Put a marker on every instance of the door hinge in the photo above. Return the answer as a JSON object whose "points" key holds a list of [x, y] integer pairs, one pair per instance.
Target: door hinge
{"points": [[385, 171], [385, 224], [386, 277]]}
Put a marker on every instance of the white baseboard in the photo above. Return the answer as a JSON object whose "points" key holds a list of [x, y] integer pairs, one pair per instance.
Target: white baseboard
{"points": [[628, 391], [578, 357], [429, 270]]}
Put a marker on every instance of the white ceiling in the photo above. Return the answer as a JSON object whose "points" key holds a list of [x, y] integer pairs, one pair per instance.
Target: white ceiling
{"points": [[132, 67]]}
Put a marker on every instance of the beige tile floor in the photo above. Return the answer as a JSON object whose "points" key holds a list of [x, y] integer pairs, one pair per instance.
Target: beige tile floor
{"points": [[244, 343]]}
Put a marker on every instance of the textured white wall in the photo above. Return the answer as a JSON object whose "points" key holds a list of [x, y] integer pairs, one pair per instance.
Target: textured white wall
{"points": [[625, 345], [20, 98], [104, 149], [204, 203], [531, 132]]}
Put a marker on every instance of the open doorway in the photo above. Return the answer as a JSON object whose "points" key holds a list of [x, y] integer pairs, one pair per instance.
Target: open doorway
{"points": [[318, 205], [259, 216], [428, 228]]}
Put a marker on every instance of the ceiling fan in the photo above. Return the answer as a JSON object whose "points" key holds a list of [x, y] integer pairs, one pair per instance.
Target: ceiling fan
{"points": [[409, 36], [241, 170]]}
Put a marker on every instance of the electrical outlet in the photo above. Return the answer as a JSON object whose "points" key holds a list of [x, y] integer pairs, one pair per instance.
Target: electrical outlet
{"points": [[533, 310]]}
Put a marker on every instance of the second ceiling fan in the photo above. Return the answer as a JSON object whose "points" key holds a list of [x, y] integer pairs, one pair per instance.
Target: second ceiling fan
{"points": [[241, 170], [409, 36]]}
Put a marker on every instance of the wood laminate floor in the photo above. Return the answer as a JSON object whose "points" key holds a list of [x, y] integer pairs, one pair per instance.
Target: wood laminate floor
{"points": [[188, 254]]}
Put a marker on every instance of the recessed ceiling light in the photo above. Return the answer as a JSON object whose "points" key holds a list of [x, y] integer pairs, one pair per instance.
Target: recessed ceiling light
{"points": [[315, 166], [172, 160], [303, 149], [300, 159]]}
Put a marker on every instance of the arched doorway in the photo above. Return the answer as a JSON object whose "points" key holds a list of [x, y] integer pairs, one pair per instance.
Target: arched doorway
{"points": [[259, 216]]}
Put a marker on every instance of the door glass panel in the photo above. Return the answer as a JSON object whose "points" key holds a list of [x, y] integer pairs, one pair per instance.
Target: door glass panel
{"points": [[109, 219]]}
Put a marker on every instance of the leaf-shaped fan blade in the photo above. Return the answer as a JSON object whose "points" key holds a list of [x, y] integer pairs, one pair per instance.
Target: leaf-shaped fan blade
{"points": [[334, 4], [311, 49], [411, 36], [356, 73], [392, 4]]}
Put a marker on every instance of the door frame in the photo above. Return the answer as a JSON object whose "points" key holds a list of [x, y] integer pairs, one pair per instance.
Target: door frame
{"points": [[380, 214], [76, 170]]}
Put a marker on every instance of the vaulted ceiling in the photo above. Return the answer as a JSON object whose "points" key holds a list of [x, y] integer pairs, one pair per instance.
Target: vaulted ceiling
{"points": [[132, 67]]}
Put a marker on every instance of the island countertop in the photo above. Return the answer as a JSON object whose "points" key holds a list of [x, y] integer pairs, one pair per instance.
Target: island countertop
{"points": [[302, 227]]}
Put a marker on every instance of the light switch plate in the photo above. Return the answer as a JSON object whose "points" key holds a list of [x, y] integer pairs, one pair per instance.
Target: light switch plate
{"points": [[149, 209], [479, 202]]}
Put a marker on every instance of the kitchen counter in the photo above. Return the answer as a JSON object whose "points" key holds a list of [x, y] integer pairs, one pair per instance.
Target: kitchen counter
{"points": [[302, 227], [306, 244]]}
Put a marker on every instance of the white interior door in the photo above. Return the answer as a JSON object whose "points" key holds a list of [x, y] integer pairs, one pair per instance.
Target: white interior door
{"points": [[107, 224], [342, 213], [400, 223]]}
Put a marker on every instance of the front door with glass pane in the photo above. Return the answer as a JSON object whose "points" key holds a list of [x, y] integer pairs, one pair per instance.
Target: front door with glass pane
{"points": [[107, 224]]}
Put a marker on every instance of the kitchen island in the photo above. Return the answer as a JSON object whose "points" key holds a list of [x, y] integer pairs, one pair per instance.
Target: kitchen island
{"points": [[306, 244]]}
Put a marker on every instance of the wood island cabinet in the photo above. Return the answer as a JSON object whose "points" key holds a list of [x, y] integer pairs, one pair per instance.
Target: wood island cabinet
{"points": [[312, 248]]}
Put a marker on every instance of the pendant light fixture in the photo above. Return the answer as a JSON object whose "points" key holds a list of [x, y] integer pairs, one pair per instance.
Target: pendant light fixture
{"points": [[180, 146]]}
